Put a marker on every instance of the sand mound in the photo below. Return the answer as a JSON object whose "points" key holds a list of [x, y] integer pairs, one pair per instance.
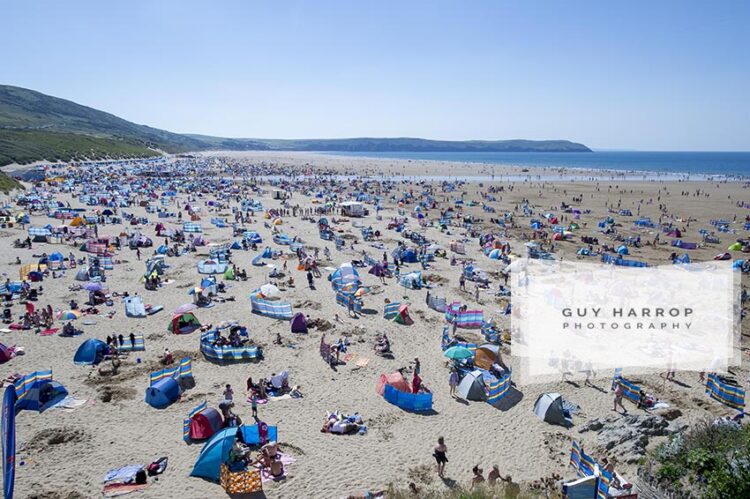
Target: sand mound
{"points": [[115, 393], [312, 305], [55, 436]]}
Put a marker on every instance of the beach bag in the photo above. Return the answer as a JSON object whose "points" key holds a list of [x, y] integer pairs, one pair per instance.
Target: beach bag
{"points": [[158, 467]]}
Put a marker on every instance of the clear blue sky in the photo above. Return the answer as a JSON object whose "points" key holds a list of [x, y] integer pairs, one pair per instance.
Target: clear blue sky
{"points": [[649, 75]]}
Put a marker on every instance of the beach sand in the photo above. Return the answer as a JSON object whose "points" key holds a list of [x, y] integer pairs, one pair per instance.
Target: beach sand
{"points": [[66, 453]]}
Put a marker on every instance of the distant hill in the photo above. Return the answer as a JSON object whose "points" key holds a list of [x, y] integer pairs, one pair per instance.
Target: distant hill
{"points": [[402, 144], [35, 126]]}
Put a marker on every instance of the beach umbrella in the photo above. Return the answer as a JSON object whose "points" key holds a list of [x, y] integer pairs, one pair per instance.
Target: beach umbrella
{"points": [[93, 286], [458, 353], [269, 291], [70, 315], [361, 292], [187, 307]]}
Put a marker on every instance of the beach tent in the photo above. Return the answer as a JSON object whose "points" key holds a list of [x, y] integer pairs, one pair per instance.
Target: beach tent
{"points": [[623, 250], [735, 247], [205, 423], [183, 323], [211, 267], [215, 452], [486, 355], [229, 274], [395, 380], [163, 392], [91, 352], [38, 392], [378, 270], [549, 407], [134, 307], [299, 323], [400, 315], [471, 386]]}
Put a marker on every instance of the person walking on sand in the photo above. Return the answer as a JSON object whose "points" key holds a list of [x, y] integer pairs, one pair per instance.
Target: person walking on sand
{"points": [[440, 456], [618, 398], [310, 280], [254, 405], [462, 282]]}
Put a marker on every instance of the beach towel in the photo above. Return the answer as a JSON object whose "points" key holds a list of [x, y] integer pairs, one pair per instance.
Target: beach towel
{"points": [[120, 489], [124, 474], [49, 332], [286, 460]]}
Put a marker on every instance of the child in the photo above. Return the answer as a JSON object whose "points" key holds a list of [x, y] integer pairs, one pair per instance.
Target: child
{"points": [[228, 393], [254, 405]]}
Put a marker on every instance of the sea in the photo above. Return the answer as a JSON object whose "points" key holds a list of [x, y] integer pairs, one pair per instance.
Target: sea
{"points": [[688, 165]]}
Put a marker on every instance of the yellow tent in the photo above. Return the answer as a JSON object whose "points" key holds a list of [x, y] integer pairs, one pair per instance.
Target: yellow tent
{"points": [[77, 222]]}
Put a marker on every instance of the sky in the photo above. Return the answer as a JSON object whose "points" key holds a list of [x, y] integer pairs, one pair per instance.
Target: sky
{"points": [[643, 75]]}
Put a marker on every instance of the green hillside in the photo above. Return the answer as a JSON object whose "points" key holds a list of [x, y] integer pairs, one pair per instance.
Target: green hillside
{"points": [[8, 183], [35, 126]]}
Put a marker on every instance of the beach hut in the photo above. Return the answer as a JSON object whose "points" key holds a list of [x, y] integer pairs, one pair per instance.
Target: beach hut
{"points": [[353, 209], [91, 352], [183, 323], [471, 386], [549, 408]]}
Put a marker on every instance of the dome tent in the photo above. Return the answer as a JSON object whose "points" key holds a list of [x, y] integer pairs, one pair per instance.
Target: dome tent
{"points": [[205, 424], [549, 407], [471, 386], [91, 352]]}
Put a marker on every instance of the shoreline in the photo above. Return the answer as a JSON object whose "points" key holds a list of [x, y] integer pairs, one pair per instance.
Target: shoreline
{"points": [[460, 170]]}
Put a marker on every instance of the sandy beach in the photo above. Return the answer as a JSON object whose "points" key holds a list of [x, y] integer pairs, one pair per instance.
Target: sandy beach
{"points": [[65, 453]]}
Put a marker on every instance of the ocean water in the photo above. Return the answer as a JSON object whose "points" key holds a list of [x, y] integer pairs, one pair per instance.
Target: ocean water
{"points": [[732, 164]]}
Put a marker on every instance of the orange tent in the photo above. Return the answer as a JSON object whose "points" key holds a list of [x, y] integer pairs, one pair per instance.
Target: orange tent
{"points": [[395, 380]]}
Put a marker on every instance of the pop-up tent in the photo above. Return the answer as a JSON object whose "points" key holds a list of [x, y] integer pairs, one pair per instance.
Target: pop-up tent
{"points": [[472, 386], [38, 392], [549, 407], [215, 452], [91, 352], [202, 423], [163, 392], [183, 323], [299, 323]]}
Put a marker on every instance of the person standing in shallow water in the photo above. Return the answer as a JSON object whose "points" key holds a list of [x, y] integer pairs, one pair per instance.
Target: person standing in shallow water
{"points": [[440, 456]]}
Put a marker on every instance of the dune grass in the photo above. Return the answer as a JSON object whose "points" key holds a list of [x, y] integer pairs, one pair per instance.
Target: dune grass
{"points": [[27, 146]]}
